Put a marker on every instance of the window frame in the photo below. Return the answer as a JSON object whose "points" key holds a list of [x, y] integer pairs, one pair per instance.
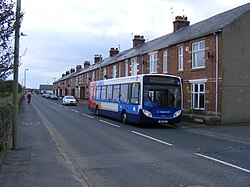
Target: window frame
{"points": [[196, 52], [126, 68], [153, 62], [165, 61], [180, 58], [104, 73], [114, 71], [93, 76], [134, 66]]}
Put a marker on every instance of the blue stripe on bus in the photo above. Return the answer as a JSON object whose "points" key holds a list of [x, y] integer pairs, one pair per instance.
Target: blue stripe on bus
{"points": [[129, 108]]}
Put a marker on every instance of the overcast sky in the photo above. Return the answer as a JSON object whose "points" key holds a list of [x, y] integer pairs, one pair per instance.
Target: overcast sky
{"points": [[61, 34]]}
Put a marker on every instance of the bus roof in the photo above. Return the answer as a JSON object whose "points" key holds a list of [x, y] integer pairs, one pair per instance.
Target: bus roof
{"points": [[128, 79]]}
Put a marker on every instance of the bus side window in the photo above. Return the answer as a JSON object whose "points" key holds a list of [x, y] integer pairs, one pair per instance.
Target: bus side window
{"points": [[91, 93], [135, 88], [116, 93], [98, 93], [124, 93], [109, 93], [104, 93]]}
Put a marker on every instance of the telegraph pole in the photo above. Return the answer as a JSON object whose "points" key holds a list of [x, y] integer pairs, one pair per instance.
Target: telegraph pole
{"points": [[15, 131]]}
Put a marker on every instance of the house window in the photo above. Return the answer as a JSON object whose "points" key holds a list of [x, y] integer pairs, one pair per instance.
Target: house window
{"points": [[180, 58], [198, 93], [153, 62], [80, 79], [198, 96], [104, 73], [114, 71], [119, 70], [93, 75], [134, 66], [87, 77], [126, 68], [198, 54], [165, 61]]}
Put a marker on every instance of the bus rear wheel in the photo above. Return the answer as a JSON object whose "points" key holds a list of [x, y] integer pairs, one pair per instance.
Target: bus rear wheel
{"points": [[97, 111], [124, 117]]}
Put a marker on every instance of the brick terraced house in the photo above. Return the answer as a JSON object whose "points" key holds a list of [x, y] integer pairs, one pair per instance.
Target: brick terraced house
{"points": [[212, 57]]}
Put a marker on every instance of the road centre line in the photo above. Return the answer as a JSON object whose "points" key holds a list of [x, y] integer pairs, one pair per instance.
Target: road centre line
{"points": [[109, 123], [74, 110], [222, 162], [151, 138], [87, 115]]}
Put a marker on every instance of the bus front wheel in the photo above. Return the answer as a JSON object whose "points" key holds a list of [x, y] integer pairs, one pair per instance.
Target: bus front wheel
{"points": [[124, 117]]}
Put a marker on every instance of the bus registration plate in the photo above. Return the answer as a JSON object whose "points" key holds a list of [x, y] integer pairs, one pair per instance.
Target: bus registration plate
{"points": [[162, 121]]}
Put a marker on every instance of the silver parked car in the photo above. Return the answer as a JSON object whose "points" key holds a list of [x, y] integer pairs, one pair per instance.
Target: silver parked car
{"points": [[53, 97], [69, 100]]}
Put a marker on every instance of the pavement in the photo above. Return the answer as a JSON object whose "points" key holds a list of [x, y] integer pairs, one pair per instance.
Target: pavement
{"points": [[38, 161]]}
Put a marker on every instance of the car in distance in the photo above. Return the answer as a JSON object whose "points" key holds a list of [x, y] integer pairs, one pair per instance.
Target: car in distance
{"points": [[47, 95], [69, 100], [53, 97]]}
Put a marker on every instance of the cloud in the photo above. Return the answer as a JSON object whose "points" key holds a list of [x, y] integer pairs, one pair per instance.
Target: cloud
{"points": [[62, 34]]}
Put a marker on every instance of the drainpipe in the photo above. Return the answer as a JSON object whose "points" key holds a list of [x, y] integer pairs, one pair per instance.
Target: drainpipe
{"points": [[217, 71]]}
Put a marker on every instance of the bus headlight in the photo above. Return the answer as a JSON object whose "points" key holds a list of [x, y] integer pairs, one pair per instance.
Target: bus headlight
{"points": [[177, 113], [147, 113]]}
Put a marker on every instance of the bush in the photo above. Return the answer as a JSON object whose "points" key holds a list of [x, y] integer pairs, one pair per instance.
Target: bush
{"points": [[7, 88]]}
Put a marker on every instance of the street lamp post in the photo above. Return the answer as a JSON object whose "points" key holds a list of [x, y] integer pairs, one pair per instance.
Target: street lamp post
{"points": [[15, 132], [54, 86], [24, 85]]}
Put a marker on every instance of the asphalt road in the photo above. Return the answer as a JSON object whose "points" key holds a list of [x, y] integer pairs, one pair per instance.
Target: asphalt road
{"points": [[108, 153]]}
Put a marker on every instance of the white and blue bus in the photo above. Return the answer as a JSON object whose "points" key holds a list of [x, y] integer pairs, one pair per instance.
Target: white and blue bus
{"points": [[147, 98]]}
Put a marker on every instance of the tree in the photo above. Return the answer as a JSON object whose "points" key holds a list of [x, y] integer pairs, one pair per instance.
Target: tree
{"points": [[7, 28]]}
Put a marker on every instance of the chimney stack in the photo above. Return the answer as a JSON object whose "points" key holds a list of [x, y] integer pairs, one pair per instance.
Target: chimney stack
{"points": [[78, 67], [113, 51], [180, 22], [86, 64], [138, 40], [97, 58]]}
